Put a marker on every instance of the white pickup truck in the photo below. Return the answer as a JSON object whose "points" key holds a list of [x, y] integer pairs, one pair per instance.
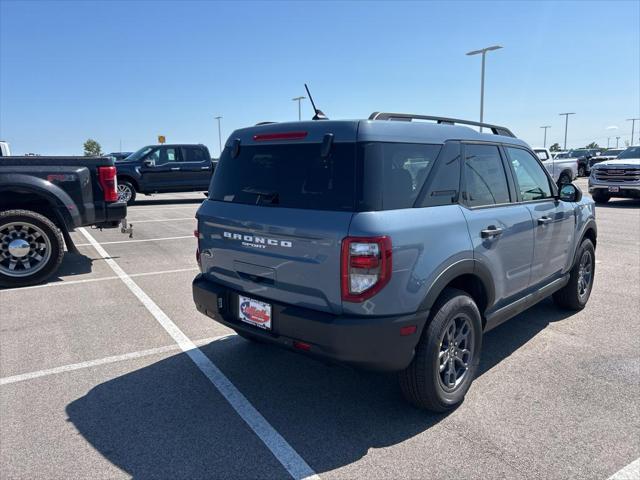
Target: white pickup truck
{"points": [[563, 170]]}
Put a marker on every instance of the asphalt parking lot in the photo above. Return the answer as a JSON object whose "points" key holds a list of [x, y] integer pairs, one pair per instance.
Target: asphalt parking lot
{"points": [[95, 381]]}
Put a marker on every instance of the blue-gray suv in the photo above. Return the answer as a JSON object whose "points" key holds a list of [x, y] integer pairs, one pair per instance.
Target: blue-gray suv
{"points": [[391, 243]]}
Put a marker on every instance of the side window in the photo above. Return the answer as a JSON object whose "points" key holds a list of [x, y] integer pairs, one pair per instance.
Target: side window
{"points": [[154, 155], [485, 178], [192, 154], [444, 182], [542, 155], [168, 155], [531, 179]]}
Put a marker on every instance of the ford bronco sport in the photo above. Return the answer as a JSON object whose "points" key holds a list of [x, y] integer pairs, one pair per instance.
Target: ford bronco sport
{"points": [[391, 243]]}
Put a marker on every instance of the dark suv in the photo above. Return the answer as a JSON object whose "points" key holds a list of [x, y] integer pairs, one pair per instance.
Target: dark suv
{"points": [[164, 168], [388, 243]]}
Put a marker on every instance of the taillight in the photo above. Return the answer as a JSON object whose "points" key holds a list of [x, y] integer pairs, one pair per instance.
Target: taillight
{"points": [[365, 267], [108, 182]]}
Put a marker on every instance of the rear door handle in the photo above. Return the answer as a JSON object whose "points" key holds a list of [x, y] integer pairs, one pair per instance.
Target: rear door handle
{"points": [[544, 220], [491, 231], [173, 169]]}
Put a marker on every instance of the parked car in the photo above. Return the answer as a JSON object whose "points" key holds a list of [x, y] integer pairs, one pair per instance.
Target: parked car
{"points": [[117, 156], [164, 168], [563, 170], [619, 177], [608, 154], [583, 157], [42, 199], [321, 237], [5, 150]]}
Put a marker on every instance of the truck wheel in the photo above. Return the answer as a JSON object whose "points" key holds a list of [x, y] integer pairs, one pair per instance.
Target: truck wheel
{"points": [[581, 171], [563, 180], [600, 197], [575, 294], [126, 192], [31, 248], [447, 354]]}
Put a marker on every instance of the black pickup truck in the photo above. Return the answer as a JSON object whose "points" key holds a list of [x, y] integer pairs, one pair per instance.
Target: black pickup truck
{"points": [[164, 168], [42, 199]]}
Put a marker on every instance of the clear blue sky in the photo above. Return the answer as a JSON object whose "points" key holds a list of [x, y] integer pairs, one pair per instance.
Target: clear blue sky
{"points": [[127, 71]]}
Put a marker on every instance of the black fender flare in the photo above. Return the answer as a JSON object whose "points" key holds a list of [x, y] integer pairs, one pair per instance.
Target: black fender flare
{"points": [[590, 225], [61, 203], [462, 267]]}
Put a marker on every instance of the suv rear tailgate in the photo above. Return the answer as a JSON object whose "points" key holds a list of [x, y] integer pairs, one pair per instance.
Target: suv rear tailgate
{"points": [[284, 254]]}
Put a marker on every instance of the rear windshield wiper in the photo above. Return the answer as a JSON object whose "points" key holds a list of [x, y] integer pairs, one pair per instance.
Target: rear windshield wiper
{"points": [[263, 196]]}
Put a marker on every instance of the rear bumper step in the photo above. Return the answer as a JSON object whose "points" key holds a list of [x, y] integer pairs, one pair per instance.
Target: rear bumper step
{"points": [[373, 343]]}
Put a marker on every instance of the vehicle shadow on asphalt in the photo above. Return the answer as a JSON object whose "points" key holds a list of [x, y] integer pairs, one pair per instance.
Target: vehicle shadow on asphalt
{"points": [[620, 203], [72, 264], [175, 201], [165, 420]]}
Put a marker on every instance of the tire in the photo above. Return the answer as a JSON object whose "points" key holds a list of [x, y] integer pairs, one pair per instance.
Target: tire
{"points": [[563, 180], [31, 248], [600, 198], [422, 383], [126, 192], [581, 171], [570, 296]]}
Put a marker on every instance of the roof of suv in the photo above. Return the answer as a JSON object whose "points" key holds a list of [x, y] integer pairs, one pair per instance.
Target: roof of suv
{"points": [[367, 130]]}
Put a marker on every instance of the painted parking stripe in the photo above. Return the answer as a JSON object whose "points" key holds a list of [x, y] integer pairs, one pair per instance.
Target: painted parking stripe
{"points": [[279, 447], [101, 279], [630, 472], [134, 222], [138, 240], [101, 361]]}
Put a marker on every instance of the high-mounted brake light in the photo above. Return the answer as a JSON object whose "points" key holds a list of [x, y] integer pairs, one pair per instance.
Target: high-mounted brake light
{"points": [[280, 136], [365, 267], [108, 182]]}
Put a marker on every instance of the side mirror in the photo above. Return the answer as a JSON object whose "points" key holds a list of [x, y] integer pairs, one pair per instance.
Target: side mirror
{"points": [[149, 162], [570, 193]]}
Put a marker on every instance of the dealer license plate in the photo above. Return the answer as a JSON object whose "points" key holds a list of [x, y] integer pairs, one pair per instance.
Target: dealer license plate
{"points": [[254, 312]]}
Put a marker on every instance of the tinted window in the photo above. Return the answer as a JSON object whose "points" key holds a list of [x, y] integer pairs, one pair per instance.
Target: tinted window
{"points": [[393, 173], [288, 175], [194, 154], [531, 179], [485, 178], [631, 152], [443, 183], [168, 155]]}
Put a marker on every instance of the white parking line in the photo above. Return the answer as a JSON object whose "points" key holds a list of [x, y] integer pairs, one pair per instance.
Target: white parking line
{"points": [[134, 222], [101, 279], [630, 472], [138, 240], [101, 361], [279, 447]]}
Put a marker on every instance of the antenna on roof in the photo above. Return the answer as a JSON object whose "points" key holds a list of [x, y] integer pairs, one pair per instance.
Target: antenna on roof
{"points": [[319, 114]]}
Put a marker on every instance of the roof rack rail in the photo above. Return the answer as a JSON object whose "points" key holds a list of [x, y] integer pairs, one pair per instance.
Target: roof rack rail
{"points": [[408, 117]]}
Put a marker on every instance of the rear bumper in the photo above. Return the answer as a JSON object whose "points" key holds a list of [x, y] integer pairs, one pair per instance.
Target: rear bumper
{"points": [[114, 213], [373, 343]]}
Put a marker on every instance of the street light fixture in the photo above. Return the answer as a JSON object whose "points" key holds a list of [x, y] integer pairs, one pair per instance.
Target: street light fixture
{"points": [[219, 136], [633, 127], [483, 51], [617, 140], [545, 135], [299, 100], [566, 125]]}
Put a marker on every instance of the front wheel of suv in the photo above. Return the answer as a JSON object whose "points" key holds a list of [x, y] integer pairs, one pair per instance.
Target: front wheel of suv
{"points": [[126, 192], [447, 354], [575, 294]]}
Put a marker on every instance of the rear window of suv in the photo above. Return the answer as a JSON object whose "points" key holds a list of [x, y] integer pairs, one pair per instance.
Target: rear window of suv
{"points": [[354, 177]]}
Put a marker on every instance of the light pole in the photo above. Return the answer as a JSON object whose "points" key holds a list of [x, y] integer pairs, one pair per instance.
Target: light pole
{"points": [[633, 127], [545, 135], [566, 125], [608, 139], [299, 100], [219, 136], [483, 51], [617, 139]]}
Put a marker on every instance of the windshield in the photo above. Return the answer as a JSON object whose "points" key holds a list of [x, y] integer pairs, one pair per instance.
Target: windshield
{"points": [[562, 155], [631, 152], [578, 153], [613, 152], [139, 154]]}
